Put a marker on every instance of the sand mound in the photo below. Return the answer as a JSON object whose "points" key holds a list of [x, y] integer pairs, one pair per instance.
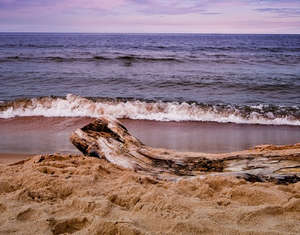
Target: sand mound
{"points": [[64, 194]]}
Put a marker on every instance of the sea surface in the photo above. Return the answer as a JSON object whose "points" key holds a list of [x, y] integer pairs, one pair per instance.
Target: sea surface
{"points": [[169, 77], [205, 88]]}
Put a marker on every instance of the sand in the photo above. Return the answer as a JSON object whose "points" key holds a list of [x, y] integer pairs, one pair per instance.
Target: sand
{"points": [[63, 194], [74, 194], [7, 158]]}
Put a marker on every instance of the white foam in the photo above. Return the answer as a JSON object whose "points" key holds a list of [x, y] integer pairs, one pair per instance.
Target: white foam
{"points": [[76, 106]]}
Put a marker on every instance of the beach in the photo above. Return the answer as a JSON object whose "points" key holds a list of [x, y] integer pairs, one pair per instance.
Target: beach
{"points": [[149, 133], [63, 193]]}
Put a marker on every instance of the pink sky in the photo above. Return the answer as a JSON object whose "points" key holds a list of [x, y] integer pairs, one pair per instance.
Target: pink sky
{"points": [[141, 16]]}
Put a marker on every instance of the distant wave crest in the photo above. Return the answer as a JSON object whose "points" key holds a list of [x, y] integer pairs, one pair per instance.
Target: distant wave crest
{"points": [[96, 58], [74, 106], [202, 58]]}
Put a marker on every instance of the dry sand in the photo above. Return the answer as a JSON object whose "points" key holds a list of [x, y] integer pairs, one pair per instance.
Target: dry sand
{"points": [[62, 194]]}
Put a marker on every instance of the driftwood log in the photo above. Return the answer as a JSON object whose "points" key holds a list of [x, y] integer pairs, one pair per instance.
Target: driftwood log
{"points": [[108, 139]]}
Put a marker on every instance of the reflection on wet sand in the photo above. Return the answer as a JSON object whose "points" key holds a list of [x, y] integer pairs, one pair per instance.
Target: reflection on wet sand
{"points": [[47, 135]]}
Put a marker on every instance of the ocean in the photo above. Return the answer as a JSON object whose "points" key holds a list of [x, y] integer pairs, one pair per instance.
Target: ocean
{"points": [[221, 78]]}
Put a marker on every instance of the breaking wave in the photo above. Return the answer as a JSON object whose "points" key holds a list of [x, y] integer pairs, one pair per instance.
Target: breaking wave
{"points": [[76, 106]]}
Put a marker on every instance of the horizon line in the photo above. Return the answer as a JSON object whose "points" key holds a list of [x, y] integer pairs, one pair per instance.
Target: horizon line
{"points": [[53, 32]]}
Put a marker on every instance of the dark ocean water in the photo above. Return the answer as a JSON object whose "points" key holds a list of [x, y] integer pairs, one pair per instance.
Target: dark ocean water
{"points": [[206, 77]]}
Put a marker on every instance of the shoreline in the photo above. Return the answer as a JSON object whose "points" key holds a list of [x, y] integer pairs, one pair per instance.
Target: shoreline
{"points": [[8, 158], [38, 135]]}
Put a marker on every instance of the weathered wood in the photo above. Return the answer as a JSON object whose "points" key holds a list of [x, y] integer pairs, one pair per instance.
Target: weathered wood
{"points": [[109, 139]]}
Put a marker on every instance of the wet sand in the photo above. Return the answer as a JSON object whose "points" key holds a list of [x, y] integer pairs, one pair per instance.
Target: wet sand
{"points": [[210, 137], [36, 135], [8, 158]]}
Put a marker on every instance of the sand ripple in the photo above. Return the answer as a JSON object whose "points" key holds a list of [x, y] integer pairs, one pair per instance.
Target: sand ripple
{"points": [[64, 194]]}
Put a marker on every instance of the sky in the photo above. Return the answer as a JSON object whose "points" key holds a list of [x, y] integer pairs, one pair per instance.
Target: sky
{"points": [[151, 16]]}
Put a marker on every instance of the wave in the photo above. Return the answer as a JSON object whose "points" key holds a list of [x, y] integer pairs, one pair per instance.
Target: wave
{"points": [[134, 58], [246, 49], [96, 58], [76, 106], [279, 59], [178, 47], [20, 45], [280, 49]]}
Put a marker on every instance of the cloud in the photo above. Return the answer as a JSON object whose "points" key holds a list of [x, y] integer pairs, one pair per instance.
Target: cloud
{"points": [[59, 4], [282, 12], [17, 4], [150, 15], [173, 7]]}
